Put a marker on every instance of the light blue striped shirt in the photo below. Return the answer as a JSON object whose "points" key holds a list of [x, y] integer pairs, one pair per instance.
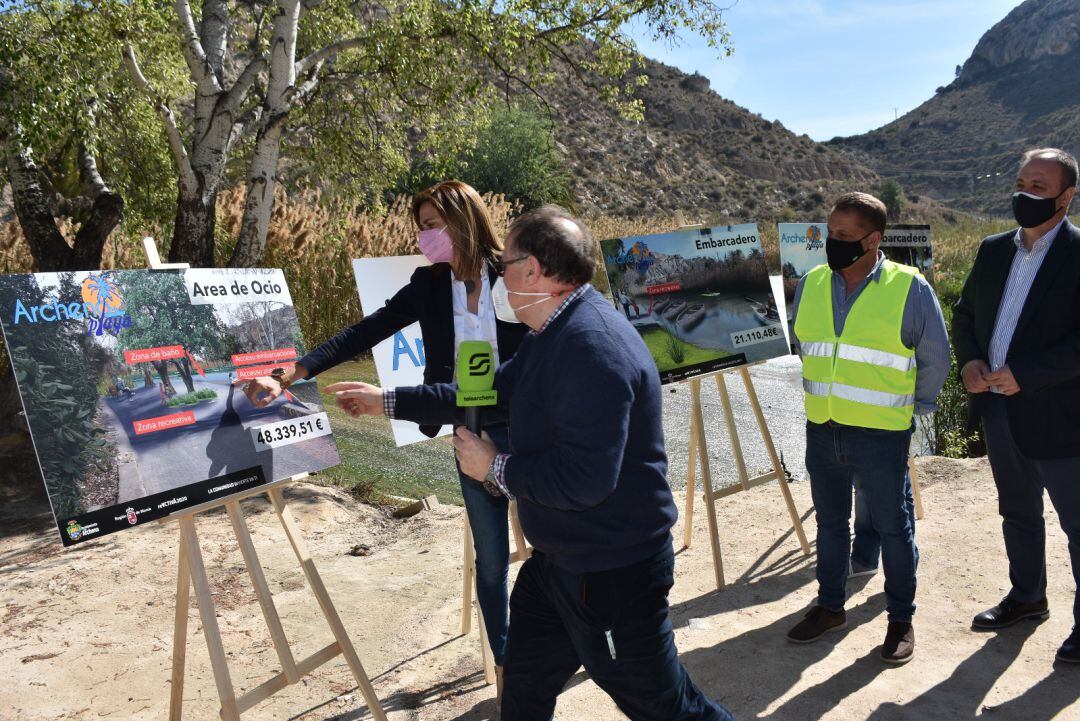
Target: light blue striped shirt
{"points": [[1025, 266]]}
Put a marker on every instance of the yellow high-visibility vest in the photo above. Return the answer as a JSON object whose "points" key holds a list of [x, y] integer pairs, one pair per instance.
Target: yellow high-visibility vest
{"points": [[866, 376]]}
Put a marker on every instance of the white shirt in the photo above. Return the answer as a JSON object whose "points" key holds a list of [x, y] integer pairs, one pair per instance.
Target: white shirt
{"points": [[474, 326], [1025, 265]]}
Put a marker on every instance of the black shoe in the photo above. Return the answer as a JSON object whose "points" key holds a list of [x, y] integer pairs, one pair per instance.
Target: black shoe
{"points": [[818, 621], [899, 646], [1008, 612], [1070, 650]]}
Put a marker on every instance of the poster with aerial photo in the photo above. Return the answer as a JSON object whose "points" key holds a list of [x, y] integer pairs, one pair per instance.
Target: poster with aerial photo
{"points": [[127, 382], [802, 248], [700, 298]]}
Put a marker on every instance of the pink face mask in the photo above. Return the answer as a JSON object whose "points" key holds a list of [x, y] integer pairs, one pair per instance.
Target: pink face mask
{"points": [[436, 245]]}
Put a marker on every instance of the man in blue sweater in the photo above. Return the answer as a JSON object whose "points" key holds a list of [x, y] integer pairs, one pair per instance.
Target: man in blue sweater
{"points": [[588, 469]]}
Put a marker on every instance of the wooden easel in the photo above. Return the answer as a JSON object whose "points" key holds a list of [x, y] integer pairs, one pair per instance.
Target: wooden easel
{"points": [[468, 582], [699, 453], [192, 572]]}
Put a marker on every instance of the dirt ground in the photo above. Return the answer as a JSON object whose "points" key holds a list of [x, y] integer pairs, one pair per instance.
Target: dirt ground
{"points": [[87, 633]]}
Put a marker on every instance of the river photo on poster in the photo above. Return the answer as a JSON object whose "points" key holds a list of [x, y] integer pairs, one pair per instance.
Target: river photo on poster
{"points": [[700, 298]]}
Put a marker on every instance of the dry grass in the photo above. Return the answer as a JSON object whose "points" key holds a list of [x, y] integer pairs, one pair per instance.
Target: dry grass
{"points": [[314, 240]]}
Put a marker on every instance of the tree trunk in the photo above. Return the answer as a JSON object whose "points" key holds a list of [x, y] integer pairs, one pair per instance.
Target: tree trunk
{"points": [[33, 206], [162, 368], [34, 210], [148, 377], [259, 203], [281, 90], [193, 229], [185, 373]]}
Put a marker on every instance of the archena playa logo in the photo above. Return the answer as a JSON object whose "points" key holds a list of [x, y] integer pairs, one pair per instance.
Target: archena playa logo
{"points": [[638, 256], [102, 308], [812, 238]]}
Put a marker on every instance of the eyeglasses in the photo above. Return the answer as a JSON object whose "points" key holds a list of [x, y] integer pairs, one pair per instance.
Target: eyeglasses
{"points": [[500, 265]]}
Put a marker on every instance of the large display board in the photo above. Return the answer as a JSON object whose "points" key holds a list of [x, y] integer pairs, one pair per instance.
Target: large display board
{"points": [[127, 381], [399, 360], [802, 248], [700, 298]]}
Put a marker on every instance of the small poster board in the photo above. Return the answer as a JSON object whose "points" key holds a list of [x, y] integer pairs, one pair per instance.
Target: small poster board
{"points": [[700, 298], [802, 248], [399, 360], [126, 379]]}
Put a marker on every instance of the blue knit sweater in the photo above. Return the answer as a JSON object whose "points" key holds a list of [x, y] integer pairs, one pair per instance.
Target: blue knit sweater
{"points": [[587, 464]]}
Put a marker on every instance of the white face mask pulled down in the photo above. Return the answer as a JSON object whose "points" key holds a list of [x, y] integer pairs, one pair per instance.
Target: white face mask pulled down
{"points": [[500, 299]]}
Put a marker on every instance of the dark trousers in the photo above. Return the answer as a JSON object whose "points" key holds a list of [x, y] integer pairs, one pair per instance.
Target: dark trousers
{"points": [[866, 546], [1020, 482], [875, 462], [615, 624]]}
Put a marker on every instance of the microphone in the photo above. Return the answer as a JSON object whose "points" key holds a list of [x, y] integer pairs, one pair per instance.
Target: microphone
{"points": [[475, 376]]}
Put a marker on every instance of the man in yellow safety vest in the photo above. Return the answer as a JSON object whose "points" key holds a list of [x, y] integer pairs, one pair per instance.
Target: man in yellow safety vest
{"points": [[875, 353]]}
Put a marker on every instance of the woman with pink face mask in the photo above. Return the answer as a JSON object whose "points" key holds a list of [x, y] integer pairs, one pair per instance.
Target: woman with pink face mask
{"points": [[452, 300]]}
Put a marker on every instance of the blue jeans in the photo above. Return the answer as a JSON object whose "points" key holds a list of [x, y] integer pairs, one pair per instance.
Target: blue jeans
{"points": [[866, 546], [614, 623], [491, 539], [875, 462], [1020, 482]]}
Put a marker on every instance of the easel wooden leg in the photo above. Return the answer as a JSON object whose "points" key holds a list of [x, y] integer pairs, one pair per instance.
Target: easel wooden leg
{"points": [[262, 592], [733, 431], [706, 480], [292, 530], [691, 483], [485, 648], [183, 591], [778, 468], [468, 578], [916, 491], [522, 549], [211, 631]]}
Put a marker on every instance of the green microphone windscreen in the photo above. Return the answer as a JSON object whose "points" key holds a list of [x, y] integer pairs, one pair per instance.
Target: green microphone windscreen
{"points": [[475, 374]]}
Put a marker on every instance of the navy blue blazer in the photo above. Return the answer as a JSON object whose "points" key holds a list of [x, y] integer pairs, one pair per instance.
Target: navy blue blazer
{"points": [[428, 299], [1044, 354]]}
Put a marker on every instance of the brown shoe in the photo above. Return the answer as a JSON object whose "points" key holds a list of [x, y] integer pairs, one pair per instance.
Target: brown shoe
{"points": [[899, 646], [818, 621]]}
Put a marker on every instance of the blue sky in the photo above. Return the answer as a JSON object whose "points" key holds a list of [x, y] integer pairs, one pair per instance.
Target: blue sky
{"points": [[835, 67]]}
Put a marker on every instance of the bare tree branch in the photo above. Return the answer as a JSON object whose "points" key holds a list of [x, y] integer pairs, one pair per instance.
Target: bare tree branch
{"points": [[194, 53], [298, 94], [165, 113], [232, 99], [330, 51], [89, 171]]}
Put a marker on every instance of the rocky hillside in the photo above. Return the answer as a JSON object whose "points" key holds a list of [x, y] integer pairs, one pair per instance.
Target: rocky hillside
{"points": [[698, 152], [1019, 89]]}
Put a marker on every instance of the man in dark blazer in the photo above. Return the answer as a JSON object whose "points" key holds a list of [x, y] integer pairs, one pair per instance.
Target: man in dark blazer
{"points": [[1016, 331]]}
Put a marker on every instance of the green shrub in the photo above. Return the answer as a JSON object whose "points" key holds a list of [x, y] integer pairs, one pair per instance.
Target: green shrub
{"points": [[202, 394]]}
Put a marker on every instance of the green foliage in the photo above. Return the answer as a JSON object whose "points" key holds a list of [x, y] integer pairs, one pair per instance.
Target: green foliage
{"points": [[892, 195], [58, 368], [62, 84], [509, 151], [67, 439], [203, 394], [162, 315], [675, 348]]}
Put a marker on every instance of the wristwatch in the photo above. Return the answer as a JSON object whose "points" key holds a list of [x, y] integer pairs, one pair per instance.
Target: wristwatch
{"points": [[489, 482], [278, 374]]}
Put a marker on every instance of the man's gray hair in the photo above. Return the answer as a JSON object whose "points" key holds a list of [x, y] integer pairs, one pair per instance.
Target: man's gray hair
{"points": [[559, 242], [1065, 161]]}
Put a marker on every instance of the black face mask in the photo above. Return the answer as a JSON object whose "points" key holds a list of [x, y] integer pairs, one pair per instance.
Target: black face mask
{"points": [[1032, 211], [843, 253]]}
